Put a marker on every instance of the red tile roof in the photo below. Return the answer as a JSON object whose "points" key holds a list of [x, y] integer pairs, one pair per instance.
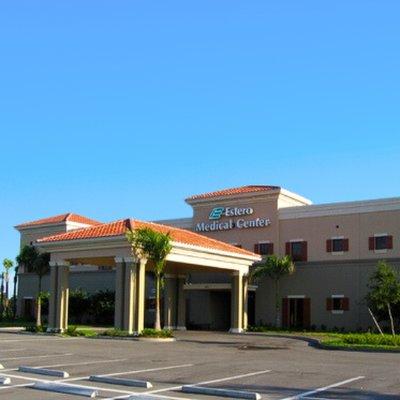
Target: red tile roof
{"points": [[234, 191], [60, 218], [118, 228]]}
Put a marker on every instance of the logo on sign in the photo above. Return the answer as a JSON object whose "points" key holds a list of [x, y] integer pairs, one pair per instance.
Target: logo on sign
{"points": [[216, 213]]}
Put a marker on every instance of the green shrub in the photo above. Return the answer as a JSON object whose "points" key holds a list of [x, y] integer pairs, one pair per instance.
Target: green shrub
{"points": [[102, 305], [116, 333], [79, 304], [35, 329], [154, 333]]}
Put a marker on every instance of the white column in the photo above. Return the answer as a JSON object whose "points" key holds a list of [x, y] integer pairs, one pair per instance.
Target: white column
{"points": [[59, 296], [245, 301], [130, 308], [237, 303], [141, 295]]}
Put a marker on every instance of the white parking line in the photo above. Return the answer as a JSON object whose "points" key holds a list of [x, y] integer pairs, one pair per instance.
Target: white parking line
{"points": [[323, 389], [79, 378], [19, 349], [48, 338], [229, 378], [44, 356], [83, 363]]}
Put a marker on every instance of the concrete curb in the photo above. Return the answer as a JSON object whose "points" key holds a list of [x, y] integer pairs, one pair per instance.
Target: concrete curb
{"points": [[235, 394], [44, 371], [143, 397], [67, 389], [120, 381], [155, 340], [4, 380]]}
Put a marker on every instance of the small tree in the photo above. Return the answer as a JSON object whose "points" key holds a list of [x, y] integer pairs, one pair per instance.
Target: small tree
{"points": [[41, 268], [32, 261], [275, 268], [384, 291], [7, 264], [154, 246]]}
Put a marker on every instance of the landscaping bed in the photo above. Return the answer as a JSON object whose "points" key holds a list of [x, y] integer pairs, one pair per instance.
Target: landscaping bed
{"points": [[338, 341]]}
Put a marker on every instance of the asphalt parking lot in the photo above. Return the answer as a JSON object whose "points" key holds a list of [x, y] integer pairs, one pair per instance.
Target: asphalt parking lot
{"points": [[276, 368]]}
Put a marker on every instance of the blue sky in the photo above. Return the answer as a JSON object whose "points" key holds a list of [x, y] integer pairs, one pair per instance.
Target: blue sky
{"points": [[123, 108]]}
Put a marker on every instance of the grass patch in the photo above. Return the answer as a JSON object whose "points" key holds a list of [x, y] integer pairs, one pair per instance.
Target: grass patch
{"points": [[360, 341], [154, 333], [336, 340], [74, 331]]}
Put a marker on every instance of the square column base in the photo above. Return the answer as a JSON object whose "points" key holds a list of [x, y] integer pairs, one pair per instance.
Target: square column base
{"points": [[236, 330], [180, 328]]}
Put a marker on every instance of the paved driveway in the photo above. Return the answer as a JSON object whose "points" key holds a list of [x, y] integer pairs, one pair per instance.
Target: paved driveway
{"points": [[276, 368]]}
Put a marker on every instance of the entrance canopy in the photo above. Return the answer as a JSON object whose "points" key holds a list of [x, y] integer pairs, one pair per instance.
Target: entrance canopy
{"points": [[106, 245]]}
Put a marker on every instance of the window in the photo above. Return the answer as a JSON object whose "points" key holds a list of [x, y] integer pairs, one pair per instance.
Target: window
{"points": [[337, 245], [337, 303], [297, 249], [381, 242], [264, 248]]}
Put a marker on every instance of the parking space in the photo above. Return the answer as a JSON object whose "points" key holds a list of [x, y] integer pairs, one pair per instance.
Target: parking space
{"points": [[276, 368]]}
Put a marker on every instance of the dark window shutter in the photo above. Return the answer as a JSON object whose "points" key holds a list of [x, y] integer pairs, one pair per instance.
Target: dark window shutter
{"points": [[329, 246], [285, 312], [288, 248], [304, 254], [345, 244], [345, 304], [372, 243], [390, 242], [329, 304], [257, 248], [307, 312], [270, 248]]}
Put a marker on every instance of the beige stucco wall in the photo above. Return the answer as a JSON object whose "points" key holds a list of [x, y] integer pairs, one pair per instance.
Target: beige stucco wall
{"points": [[356, 227]]}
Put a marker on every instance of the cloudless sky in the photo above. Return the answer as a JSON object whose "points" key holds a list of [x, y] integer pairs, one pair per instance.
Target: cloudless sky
{"points": [[117, 108]]}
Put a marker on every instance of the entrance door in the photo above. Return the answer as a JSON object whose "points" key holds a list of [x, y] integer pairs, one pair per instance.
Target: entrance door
{"points": [[220, 310], [251, 308], [296, 312]]}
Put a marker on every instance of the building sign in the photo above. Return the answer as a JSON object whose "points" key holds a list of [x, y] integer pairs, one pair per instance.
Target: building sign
{"points": [[232, 223]]}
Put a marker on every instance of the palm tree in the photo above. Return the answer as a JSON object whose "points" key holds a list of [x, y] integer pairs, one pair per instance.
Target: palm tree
{"points": [[15, 291], [2, 295], [154, 246], [30, 258], [275, 268], [41, 268], [7, 264]]}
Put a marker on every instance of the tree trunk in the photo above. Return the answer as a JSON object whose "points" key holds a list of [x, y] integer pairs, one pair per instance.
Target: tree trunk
{"points": [[2, 296], [277, 305], [39, 304], [157, 321], [39, 311], [391, 319], [15, 296], [375, 321]]}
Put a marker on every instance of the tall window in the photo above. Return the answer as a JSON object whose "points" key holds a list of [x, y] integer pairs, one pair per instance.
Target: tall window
{"points": [[381, 242], [264, 248], [297, 250], [337, 245]]}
